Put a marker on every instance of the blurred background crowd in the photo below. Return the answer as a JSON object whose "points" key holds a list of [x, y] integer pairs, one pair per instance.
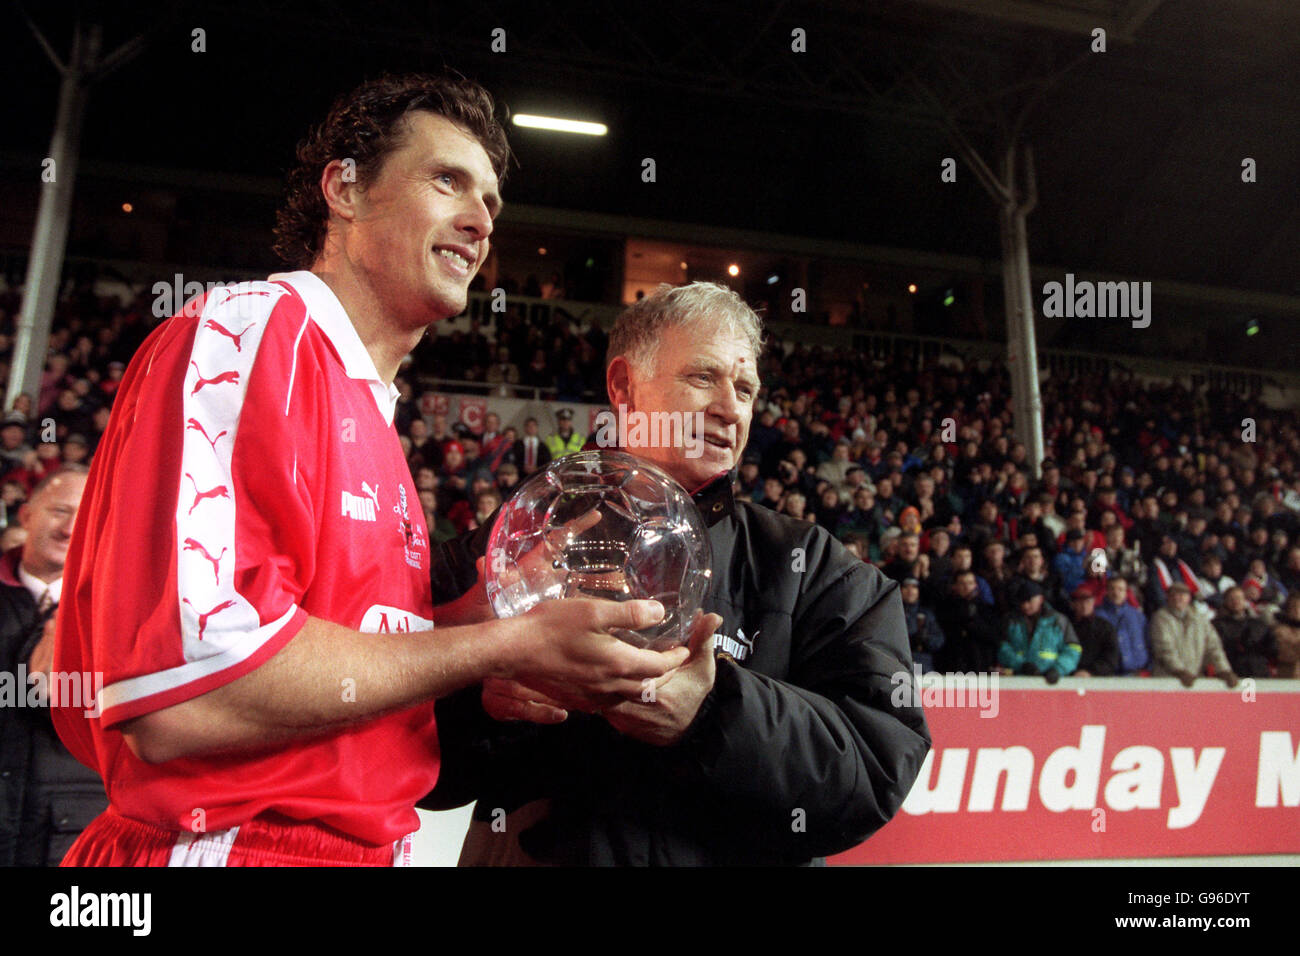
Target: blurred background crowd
{"points": [[1162, 537]]}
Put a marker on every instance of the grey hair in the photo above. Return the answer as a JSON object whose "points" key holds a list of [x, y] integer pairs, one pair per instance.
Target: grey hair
{"points": [[637, 331], [70, 468]]}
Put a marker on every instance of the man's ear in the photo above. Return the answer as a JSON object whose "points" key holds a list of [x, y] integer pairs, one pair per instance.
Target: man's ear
{"points": [[341, 191], [618, 382]]}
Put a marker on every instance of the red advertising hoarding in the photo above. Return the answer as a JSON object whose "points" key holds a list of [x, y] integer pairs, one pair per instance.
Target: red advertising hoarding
{"points": [[1096, 770]]}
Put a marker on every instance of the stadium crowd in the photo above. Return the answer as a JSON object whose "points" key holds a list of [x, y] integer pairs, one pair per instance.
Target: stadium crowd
{"points": [[1163, 536]]}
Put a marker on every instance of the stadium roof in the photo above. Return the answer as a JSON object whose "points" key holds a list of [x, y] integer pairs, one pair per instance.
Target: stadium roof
{"points": [[1139, 150]]}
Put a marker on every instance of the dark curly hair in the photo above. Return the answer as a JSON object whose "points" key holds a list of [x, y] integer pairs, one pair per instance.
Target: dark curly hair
{"points": [[366, 125]]}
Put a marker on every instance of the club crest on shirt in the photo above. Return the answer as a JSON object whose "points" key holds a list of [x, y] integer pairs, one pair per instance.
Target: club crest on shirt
{"points": [[412, 537]]}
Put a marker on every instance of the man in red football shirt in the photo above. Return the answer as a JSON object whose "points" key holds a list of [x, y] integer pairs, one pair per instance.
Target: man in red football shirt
{"points": [[269, 667]]}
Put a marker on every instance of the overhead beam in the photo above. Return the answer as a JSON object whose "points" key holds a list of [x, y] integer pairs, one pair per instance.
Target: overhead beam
{"points": [[1047, 16], [1132, 17]]}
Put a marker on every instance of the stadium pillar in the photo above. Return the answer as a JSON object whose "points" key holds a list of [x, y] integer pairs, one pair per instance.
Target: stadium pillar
{"points": [[1022, 345], [49, 241]]}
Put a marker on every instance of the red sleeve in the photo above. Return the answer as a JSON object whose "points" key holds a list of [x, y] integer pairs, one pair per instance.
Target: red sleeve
{"points": [[205, 512]]}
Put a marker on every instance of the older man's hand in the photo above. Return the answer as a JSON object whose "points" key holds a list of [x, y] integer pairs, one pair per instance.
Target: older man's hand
{"points": [[660, 714]]}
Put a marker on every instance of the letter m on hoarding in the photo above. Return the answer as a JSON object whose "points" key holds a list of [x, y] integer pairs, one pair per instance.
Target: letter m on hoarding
{"points": [[1279, 770]]}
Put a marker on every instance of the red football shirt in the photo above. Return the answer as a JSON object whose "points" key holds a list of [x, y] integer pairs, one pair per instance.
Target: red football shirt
{"points": [[250, 476]]}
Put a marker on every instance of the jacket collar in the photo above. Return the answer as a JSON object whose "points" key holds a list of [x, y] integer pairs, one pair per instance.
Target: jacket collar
{"points": [[716, 499]]}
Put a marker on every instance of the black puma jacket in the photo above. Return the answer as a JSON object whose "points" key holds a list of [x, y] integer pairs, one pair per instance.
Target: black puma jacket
{"points": [[797, 753]]}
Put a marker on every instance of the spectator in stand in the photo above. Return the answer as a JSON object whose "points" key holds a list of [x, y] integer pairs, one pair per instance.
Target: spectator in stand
{"points": [[531, 453], [1096, 573], [538, 373], [787, 472], [1280, 544], [438, 430], [424, 450], [71, 415], [788, 440], [773, 493], [836, 469], [997, 572], [14, 449], [922, 627], [855, 478], [1107, 502], [486, 502], [507, 479], [1247, 641], [963, 560], [987, 526], [503, 373], [1235, 562], [1261, 577], [1184, 644], [1167, 568], [452, 475], [858, 546], [1031, 522], [404, 409], [1289, 575], [889, 503], [1037, 639], [970, 628], [1130, 626], [907, 554], [564, 441], [937, 544], [1032, 567], [864, 517], [1286, 637], [1077, 520], [1054, 523], [1257, 543], [1099, 655], [491, 433], [748, 481], [1069, 562], [795, 505], [1213, 584], [53, 382], [475, 463], [76, 451], [1150, 527], [1124, 561], [830, 512], [1051, 480], [764, 435]]}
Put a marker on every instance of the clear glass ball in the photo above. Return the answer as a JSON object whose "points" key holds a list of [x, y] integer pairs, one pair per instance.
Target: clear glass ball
{"points": [[607, 525]]}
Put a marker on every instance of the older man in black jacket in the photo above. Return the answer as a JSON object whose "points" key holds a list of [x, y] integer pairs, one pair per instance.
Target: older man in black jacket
{"points": [[46, 797], [775, 743]]}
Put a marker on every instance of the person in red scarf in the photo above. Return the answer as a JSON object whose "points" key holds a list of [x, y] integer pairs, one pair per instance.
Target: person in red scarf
{"points": [[1167, 569]]}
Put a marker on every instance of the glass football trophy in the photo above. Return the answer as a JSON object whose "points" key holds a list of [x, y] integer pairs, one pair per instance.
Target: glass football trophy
{"points": [[607, 525]]}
